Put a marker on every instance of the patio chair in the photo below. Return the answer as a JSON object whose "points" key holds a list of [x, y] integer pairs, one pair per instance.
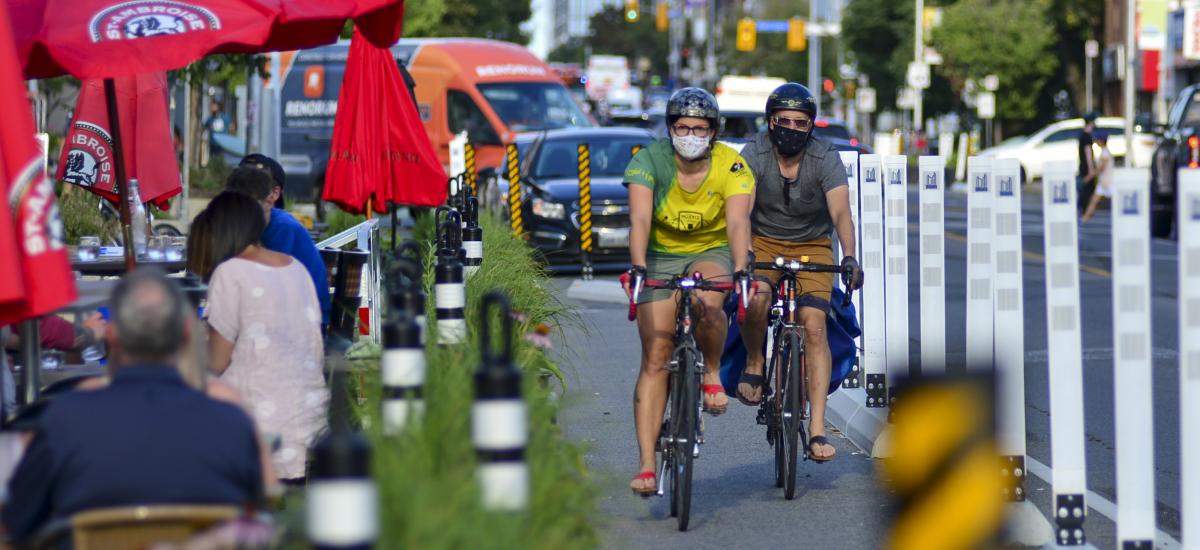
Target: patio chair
{"points": [[135, 527]]}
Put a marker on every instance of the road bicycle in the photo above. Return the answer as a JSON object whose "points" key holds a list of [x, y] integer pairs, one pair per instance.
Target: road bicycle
{"points": [[681, 434], [784, 411]]}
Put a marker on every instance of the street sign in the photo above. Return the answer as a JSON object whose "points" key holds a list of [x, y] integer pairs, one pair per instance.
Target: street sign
{"points": [[991, 82], [1191, 32], [847, 72], [866, 100], [771, 25], [985, 105], [1091, 49], [906, 98], [918, 75]]}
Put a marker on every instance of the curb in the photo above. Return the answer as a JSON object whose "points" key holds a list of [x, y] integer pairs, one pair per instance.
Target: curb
{"points": [[868, 429], [606, 292]]}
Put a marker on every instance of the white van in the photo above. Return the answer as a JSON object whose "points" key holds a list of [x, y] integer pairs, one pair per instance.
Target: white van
{"points": [[746, 94]]}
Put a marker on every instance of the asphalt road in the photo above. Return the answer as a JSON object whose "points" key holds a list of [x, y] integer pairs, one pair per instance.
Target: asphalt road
{"points": [[840, 505]]}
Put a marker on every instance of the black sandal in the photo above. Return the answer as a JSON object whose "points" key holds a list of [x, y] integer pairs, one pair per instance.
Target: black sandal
{"points": [[820, 440], [755, 381]]}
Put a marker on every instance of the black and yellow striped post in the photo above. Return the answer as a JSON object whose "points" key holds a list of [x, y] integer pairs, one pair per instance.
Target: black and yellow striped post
{"points": [[585, 210], [943, 467], [472, 176], [516, 216]]}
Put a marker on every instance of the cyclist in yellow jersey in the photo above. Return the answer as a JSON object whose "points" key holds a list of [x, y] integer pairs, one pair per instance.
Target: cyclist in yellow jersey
{"points": [[689, 205]]}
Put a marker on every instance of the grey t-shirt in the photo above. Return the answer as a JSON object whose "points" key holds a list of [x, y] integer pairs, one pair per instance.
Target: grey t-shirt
{"points": [[793, 211]]}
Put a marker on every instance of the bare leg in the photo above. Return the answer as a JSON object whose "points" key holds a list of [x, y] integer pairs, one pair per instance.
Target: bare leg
{"points": [[753, 334], [819, 363], [656, 322], [711, 329], [1092, 206]]}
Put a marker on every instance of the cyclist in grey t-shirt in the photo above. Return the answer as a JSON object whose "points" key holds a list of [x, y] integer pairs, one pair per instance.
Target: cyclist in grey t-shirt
{"points": [[801, 197]]}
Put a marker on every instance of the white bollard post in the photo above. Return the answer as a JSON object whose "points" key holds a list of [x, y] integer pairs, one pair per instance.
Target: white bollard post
{"points": [[932, 223], [499, 422], [874, 338], [1188, 214], [1132, 358], [850, 162], [1065, 352], [402, 372], [979, 264], [896, 282], [1008, 333]]}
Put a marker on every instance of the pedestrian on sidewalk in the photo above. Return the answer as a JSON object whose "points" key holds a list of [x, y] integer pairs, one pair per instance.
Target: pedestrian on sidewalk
{"points": [[264, 327], [1085, 179], [1104, 178]]}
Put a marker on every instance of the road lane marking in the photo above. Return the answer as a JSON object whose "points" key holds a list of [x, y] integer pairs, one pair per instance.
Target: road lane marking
{"points": [[1037, 258]]}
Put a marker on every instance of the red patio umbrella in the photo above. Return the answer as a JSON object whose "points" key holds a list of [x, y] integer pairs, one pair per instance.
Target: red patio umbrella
{"points": [[35, 274], [380, 152], [87, 159], [104, 39]]}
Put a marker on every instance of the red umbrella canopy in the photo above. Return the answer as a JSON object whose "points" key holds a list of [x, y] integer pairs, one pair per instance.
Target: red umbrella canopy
{"points": [[87, 159], [35, 274], [93, 39], [380, 151]]}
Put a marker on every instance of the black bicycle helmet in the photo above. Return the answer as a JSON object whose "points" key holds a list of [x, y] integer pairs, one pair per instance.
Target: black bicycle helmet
{"points": [[693, 102], [792, 97]]}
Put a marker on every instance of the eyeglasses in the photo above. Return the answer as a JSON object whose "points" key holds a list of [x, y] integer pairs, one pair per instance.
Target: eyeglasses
{"points": [[698, 131], [794, 123]]}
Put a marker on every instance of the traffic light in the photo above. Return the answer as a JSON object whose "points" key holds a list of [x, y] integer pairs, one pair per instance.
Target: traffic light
{"points": [[747, 35], [796, 41], [661, 18], [632, 11], [827, 86]]}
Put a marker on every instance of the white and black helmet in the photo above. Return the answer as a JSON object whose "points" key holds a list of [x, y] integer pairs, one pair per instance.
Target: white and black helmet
{"points": [[693, 102]]}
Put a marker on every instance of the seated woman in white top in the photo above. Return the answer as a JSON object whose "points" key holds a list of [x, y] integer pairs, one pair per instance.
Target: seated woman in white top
{"points": [[264, 327]]}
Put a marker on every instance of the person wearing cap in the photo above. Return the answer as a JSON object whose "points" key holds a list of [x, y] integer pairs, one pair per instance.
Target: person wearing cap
{"points": [[1085, 179], [284, 233]]}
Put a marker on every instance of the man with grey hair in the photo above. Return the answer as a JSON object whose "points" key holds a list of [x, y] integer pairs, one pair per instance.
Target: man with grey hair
{"points": [[147, 438]]}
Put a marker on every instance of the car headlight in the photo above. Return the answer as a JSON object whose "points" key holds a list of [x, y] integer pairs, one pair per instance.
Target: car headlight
{"points": [[549, 210]]}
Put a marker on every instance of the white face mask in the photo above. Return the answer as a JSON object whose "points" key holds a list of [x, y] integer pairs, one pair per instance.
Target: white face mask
{"points": [[690, 147]]}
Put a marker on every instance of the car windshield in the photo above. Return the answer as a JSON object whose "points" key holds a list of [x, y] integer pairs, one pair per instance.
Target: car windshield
{"points": [[525, 106], [741, 125], [831, 131], [647, 122], [558, 158]]}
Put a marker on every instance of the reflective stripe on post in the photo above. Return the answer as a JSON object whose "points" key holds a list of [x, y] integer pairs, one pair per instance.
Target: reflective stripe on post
{"points": [[895, 196], [514, 192], [472, 238], [585, 209], [450, 295], [874, 339], [1008, 333], [1065, 351], [499, 428], [850, 163], [1188, 213], [402, 370], [472, 175], [932, 229], [979, 264], [1132, 363]]}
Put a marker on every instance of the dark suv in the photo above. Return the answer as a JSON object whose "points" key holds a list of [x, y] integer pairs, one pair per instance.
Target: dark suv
{"points": [[1178, 146]]}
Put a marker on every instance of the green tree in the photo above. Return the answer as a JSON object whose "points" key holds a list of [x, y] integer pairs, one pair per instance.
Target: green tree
{"points": [[880, 40], [1013, 39], [214, 70], [610, 34], [496, 19], [423, 17]]}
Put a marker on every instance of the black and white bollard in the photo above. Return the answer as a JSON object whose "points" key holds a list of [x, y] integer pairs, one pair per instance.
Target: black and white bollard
{"points": [[341, 502], [450, 294], [499, 428], [403, 373], [472, 240]]}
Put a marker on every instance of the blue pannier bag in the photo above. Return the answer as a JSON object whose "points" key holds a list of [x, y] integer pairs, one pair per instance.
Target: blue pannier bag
{"points": [[841, 327]]}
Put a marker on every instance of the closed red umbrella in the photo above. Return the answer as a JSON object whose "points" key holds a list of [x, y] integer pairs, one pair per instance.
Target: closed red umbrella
{"points": [[380, 152], [87, 158], [35, 273]]}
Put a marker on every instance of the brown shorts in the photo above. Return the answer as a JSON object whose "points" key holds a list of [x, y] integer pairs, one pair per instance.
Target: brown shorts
{"points": [[815, 286]]}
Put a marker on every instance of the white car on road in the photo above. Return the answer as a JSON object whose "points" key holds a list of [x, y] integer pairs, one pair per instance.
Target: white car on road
{"points": [[1060, 141]]}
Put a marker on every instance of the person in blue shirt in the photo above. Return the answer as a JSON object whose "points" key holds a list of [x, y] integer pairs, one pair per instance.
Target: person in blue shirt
{"points": [[261, 178]]}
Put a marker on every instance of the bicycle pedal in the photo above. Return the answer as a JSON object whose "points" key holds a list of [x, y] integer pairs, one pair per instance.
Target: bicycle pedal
{"points": [[761, 418]]}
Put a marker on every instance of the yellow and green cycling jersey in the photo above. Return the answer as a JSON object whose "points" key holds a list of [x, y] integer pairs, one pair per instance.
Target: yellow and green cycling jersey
{"points": [[689, 222]]}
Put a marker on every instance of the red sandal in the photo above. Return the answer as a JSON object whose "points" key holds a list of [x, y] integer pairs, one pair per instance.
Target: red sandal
{"points": [[653, 488], [714, 389]]}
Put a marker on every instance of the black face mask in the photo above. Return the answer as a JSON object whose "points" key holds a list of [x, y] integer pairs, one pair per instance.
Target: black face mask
{"points": [[789, 142]]}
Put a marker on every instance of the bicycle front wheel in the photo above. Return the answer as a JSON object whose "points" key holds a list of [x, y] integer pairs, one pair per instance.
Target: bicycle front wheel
{"points": [[686, 428], [793, 410]]}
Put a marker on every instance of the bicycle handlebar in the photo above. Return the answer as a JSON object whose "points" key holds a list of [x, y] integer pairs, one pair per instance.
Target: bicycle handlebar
{"points": [[802, 265], [693, 282]]}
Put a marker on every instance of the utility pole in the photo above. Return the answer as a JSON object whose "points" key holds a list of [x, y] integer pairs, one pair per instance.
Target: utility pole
{"points": [[1091, 49], [714, 32], [676, 36], [918, 57], [814, 54], [1130, 68]]}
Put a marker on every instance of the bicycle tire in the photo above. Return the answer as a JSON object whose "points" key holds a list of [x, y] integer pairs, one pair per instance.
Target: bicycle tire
{"points": [[794, 407], [685, 433], [668, 449], [776, 419]]}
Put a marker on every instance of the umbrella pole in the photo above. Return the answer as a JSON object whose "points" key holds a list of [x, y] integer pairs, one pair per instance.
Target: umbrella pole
{"points": [[368, 208], [114, 126], [394, 207]]}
